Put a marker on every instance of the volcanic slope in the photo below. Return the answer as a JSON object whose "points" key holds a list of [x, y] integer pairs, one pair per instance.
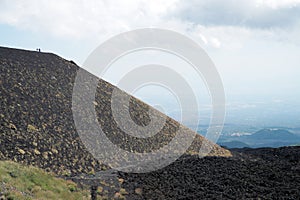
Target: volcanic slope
{"points": [[36, 121]]}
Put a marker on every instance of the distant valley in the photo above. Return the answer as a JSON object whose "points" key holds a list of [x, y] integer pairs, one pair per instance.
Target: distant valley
{"points": [[240, 136]]}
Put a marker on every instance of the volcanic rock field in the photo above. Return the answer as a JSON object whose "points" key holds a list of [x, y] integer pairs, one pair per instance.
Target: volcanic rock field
{"points": [[37, 128]]}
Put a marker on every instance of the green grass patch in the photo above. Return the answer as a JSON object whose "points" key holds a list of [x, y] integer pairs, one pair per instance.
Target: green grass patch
{"points": [[26, 182]]}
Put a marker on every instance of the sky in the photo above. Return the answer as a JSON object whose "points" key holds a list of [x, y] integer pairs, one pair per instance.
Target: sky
{"points": [[255, 44]]}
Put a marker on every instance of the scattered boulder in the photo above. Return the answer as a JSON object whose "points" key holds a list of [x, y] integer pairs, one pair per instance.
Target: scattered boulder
{"points": [[21, 151]]}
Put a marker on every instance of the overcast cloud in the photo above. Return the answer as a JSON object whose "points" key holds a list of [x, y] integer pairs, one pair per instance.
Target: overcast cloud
{"points": [[98, 20], [251, 14], [245, 38]]}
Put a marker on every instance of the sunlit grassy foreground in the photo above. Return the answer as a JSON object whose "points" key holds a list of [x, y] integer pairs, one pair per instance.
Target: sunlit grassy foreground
{"points": [[27, 182]]}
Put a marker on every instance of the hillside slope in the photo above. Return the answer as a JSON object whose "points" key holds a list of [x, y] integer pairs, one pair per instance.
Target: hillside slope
{"points": [[263, 138], [36, 122]]}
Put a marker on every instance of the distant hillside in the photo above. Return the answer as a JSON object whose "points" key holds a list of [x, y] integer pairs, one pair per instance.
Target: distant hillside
{"points": [[271, 138], [36, 121], [263, 138], [269, 134], [234, 144]]}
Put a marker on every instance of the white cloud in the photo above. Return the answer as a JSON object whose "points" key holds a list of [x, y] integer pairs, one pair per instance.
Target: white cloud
{"points": [[82, 19], [248, 13], [275, 4], [214, 23]]}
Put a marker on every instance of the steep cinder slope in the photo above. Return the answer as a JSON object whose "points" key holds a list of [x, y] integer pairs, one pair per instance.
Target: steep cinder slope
{"points": [[36, 121]]}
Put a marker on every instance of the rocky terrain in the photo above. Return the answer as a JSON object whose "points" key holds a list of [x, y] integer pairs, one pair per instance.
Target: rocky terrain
{"points": [[265, 173], [36, 121], [37, 128]]}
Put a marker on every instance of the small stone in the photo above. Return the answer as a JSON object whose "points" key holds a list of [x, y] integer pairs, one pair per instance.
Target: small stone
{"points": [[36, 151], [91, 172], [138, 191], [121, 180], [100, 190], [12, 126], [93, 163], [117, 195], [31, 128], [58, 129], [34, 144], [2, 197], [54, 151], [104, 183], [45, 155], [44, 126], [21, 151], [123, 191]]}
